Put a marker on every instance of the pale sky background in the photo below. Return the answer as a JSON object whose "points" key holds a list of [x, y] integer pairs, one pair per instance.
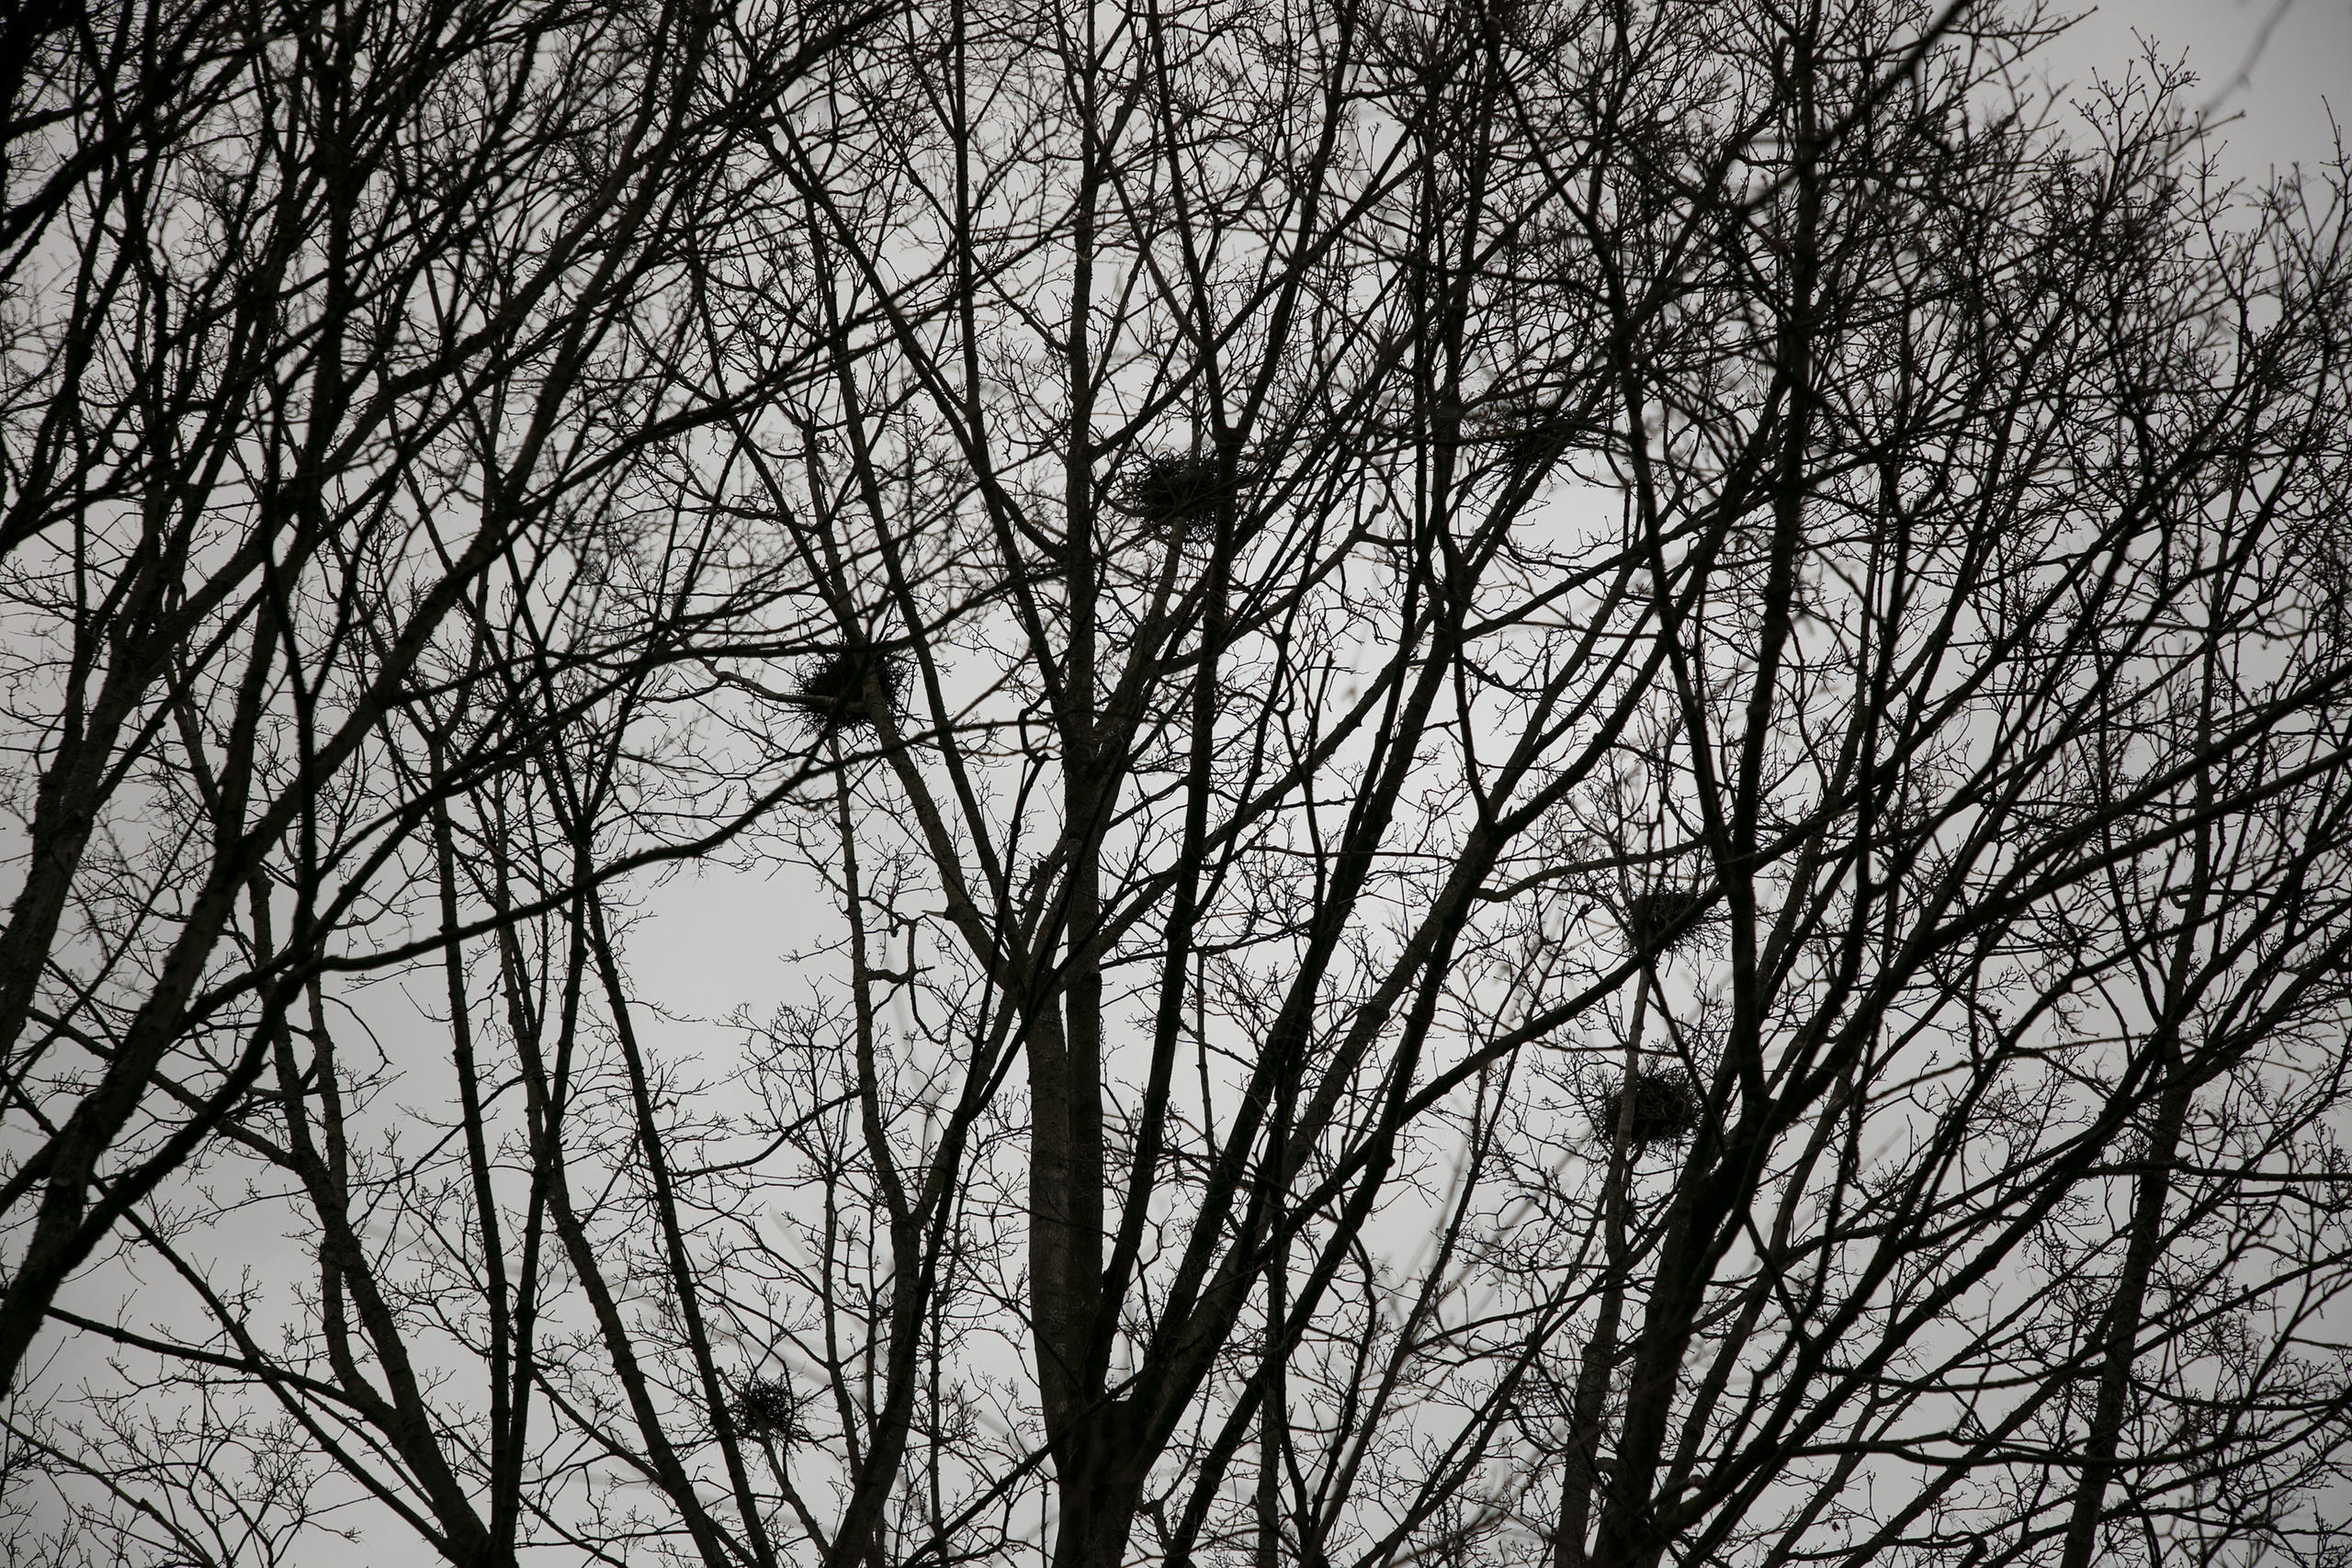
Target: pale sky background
{"points": [[2271, 68], [718, 938], [2268, 71]]}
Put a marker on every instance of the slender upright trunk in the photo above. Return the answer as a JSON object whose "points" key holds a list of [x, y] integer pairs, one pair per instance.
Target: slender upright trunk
{"points": [[1065, 1048], [1275, 1412], [1583, 1473], [2123, 1317]]}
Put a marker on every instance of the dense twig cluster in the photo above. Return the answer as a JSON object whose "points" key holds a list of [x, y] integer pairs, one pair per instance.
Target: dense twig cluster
{"points": [[1666, 1107], [1176, 490], [1532, 437], [1665, 917], [850, 691], [767, 1408]]}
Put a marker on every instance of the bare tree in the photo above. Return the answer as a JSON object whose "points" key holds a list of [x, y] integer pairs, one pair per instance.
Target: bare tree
{"points": [[1581, 773], [325, 332]]}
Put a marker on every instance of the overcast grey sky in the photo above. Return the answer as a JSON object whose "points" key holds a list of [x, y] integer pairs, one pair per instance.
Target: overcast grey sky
{"points": [[2276, 90], [718, 944]]}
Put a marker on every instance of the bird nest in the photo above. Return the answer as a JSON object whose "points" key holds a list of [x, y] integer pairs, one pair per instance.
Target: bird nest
{"points": [[1528, 435], [1541, 440], [838, 693], [1176, 489], [1666, 1109], [1664, 917], [765, 1408]]}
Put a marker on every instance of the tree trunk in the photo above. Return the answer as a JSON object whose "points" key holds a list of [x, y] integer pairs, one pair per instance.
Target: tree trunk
{"points": [[2123, 1317]]}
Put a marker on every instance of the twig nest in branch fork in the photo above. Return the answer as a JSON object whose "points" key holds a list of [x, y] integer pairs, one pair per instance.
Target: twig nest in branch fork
{"points": [[765, 1407], [1529, 434], [1175, 488], [1665, 917], [1666, 1107], [837, 694], [1542, 439]]}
